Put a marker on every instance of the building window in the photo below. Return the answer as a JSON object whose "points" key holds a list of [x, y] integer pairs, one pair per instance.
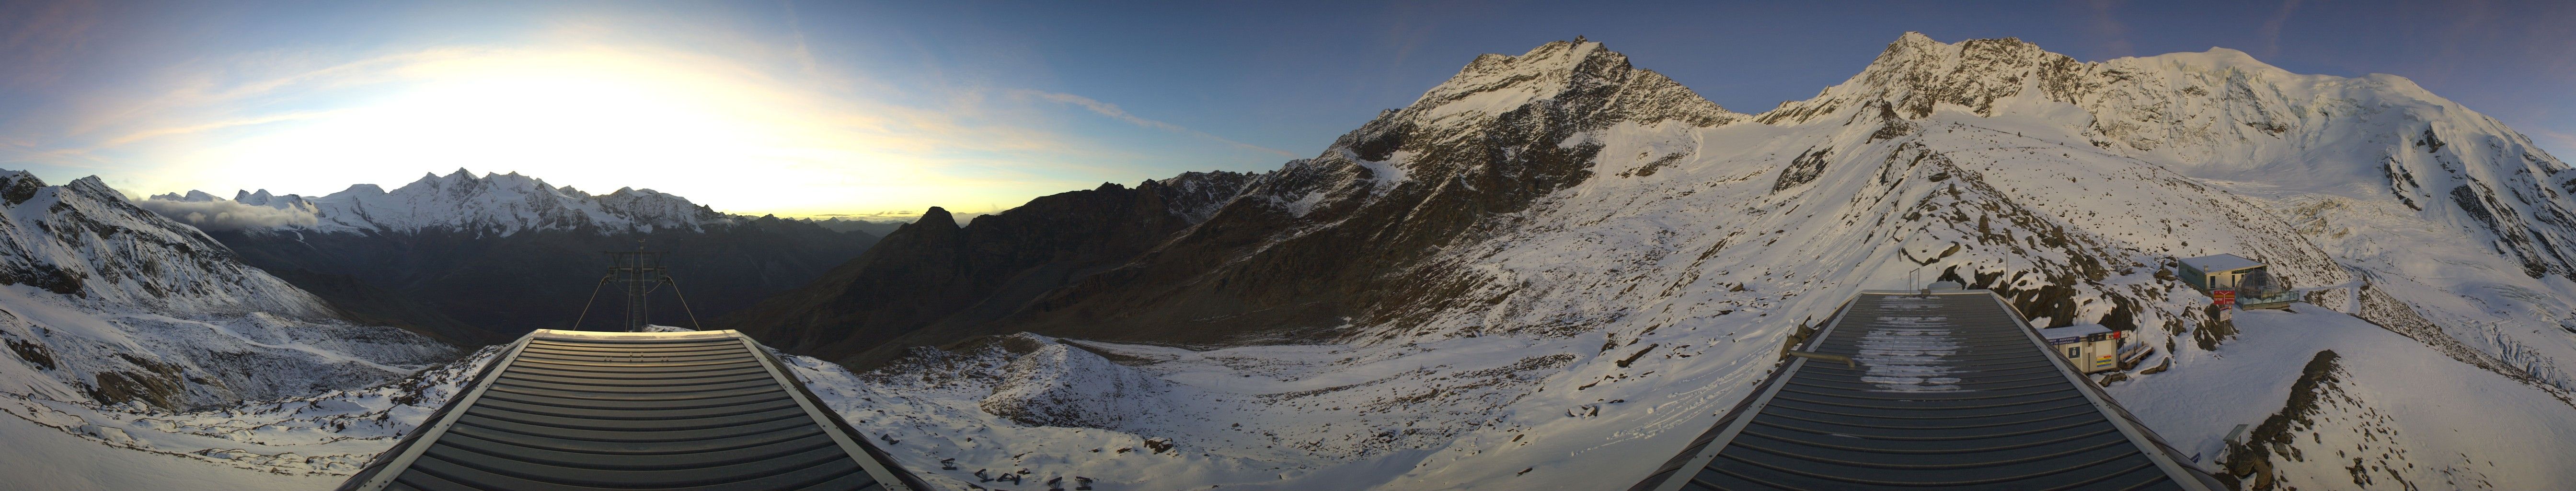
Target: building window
{"points": [[2074, 352]]}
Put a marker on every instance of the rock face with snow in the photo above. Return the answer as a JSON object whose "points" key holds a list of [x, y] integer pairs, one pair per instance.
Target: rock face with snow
{"points": [[108, 303], [1637, 255], [484, 259], [2223, 115], [86, 242]]}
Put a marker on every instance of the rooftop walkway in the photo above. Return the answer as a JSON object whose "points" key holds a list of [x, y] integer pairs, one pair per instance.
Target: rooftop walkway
{"points": [[580, 411], [1950, 390]]}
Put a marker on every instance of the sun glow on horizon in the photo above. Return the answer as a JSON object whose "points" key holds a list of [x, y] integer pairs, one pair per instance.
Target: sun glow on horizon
{"points": [[598, 118]]}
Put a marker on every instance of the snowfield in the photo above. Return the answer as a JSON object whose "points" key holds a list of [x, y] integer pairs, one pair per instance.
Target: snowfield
{"points": [[309, 442], [142, 356], [2409, 416]]}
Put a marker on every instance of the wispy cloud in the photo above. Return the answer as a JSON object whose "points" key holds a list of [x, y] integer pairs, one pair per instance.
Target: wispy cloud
{"points": [[1114, 112], [747, 120], [722, 127], [2106, 23], [215, 125], [224, 215], [2271, 30], [43, 37], [804, 53]]}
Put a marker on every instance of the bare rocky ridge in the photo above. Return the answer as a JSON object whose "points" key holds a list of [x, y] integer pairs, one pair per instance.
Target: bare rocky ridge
{"points": [[934, 282]]}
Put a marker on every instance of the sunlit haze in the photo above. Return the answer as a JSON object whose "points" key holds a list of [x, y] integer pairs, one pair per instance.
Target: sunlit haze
{"points": [[884, 109]]}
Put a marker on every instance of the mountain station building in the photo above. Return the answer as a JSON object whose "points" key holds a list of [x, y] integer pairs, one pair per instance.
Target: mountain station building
{"points": [[2092, 348], [2221, 272]]}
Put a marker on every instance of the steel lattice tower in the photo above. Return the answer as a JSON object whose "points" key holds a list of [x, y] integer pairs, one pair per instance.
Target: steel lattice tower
{"points": [[641, 271]]}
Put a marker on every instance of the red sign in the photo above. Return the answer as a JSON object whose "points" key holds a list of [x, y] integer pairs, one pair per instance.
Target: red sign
{"points": [[2222, 297]]}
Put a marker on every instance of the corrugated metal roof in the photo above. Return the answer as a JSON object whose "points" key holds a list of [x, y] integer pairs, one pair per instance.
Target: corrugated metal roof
{"points": [[2220, 263], [573, 410], [2074, 331], [1952, 391]]}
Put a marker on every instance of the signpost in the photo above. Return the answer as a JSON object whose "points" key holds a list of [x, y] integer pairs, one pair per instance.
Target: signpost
{"points": [[2222, 298]]}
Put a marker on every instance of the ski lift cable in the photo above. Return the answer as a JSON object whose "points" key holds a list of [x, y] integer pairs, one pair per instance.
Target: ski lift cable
{"points": [[684, 303], [594, 297]]}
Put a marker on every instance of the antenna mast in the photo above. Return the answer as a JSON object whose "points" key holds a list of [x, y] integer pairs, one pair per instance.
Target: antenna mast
{"points": [[642, 272]]}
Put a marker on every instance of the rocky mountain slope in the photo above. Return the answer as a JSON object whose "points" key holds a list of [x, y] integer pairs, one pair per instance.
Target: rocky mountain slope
{"points": [[481, 260], [934, 282], [105, 302], [1556, 267]]}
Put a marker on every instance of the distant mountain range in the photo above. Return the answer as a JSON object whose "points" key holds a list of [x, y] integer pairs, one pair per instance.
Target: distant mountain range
{"points": [[482, 260], [875, 228], [107, 303]]}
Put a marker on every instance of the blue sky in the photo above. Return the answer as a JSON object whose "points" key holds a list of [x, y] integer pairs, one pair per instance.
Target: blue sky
{"points": [[820, 108]]}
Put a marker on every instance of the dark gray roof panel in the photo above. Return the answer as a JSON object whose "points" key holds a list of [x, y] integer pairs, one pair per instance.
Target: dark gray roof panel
{"points": [[1951, 391], [569, 410]]}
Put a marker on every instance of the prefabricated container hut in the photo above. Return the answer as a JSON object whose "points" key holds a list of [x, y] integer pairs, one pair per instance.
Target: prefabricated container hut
{"points": [[2092, 348], [2222, 272]]}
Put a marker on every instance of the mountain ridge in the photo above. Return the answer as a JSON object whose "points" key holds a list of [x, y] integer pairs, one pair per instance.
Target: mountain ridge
{"points": [[485, 259], [104, 302], [945, 278], [1559, 246], [495, 203]]}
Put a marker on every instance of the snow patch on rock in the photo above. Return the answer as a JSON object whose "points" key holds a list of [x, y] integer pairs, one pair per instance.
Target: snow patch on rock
{"points": [[1055, 384]]}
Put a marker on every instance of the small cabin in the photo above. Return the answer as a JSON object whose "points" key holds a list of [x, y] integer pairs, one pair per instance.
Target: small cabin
{"points": [[2223, 272], [2092, 348]]}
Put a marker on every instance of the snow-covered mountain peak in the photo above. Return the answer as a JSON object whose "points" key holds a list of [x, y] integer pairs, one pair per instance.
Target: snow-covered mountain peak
{"points": [[2223, 116], [491, 203], [1916, 73], [1458, 137], [2201, 100], [1579, 73], [87, 243], [109, 307]]}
